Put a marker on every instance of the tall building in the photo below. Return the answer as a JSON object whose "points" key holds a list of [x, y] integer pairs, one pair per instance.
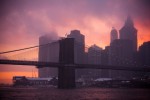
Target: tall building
{"points": [[79, 51], [105, 56], [94, 54], [121, 54], [129, 32], [48, 53], [79, 46], [105, 61], [113, 35], [94, 57], [144, 54]]}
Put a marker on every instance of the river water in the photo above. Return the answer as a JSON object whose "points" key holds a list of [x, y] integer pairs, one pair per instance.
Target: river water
{"points": [[30, 93]]}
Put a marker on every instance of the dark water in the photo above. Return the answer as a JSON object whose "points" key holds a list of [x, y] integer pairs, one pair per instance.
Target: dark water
{"points": [[74, 94]]}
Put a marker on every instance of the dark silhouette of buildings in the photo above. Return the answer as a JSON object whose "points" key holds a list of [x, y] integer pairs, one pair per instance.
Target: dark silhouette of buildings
{"points": [[94, 57], [94, 54], [144, 54], [105, 56], [113, 35], [105, 61], [48, 53], [120, 54], [79, 45], [122, 51], [79, 50], [128, 31]]}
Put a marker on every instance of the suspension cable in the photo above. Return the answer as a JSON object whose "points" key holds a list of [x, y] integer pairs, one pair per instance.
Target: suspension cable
{"points": [[25, 48], [17, 50]]}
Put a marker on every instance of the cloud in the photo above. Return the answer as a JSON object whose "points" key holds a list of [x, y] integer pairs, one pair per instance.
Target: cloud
{"points": [[31, 19], [22, 22]]}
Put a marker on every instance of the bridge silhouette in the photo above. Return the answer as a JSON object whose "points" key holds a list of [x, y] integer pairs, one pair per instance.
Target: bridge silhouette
{"points": [[66, 65], [79, 66]]}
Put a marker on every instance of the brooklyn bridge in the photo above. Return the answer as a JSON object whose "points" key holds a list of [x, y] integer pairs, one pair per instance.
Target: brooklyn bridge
{"points": [[66, 61]]}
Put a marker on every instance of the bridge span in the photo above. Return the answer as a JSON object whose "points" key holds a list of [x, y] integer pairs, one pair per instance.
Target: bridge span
{"points": [[40, 64], [66, 64]]}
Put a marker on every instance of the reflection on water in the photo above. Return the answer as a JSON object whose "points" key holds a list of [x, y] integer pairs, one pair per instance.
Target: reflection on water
{"points": [[74, 94]]}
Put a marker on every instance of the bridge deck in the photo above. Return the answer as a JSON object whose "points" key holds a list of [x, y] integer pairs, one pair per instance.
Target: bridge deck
{"points": [[77, 66]]}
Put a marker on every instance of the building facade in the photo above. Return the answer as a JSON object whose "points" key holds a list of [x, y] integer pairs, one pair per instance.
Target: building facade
{"points": [[129, 32], [94, 54], [48, 52], [94, 57], [144, 54], [113, 35], [105, 61], [120, 54], [79, 50], [78, 46]]}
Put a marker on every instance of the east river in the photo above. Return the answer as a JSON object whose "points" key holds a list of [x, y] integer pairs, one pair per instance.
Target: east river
{"points": [[51, 93]]}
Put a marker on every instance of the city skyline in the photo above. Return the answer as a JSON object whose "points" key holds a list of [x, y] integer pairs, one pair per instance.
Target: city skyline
{"points": [[94, 20], [23, 22]]}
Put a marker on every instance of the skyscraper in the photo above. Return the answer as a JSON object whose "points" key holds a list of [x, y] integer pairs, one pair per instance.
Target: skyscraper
{"points": [[121, 54], [113, 35], [79, 46], [129, 32], [94, 57], [79, 51], [94, 54], [48, 53], [105, 61], [144, 54]]}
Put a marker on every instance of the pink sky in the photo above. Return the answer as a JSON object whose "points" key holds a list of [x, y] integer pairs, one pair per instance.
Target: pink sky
{"points": [[23, 22]]}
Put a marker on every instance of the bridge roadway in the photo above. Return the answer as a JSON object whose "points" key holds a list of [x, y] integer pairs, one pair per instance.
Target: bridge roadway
{"points": [[78, 66]]}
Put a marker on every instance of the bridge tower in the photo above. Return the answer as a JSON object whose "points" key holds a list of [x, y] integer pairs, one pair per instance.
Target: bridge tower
{"points": [[66, 73]]}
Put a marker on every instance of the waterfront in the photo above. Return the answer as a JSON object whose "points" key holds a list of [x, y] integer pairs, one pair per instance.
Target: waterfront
{"points": [[51, 93]]}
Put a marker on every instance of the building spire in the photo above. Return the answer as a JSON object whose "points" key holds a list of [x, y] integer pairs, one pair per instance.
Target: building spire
{"points": [[129, 32], [113, 34], [129, 21]]}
